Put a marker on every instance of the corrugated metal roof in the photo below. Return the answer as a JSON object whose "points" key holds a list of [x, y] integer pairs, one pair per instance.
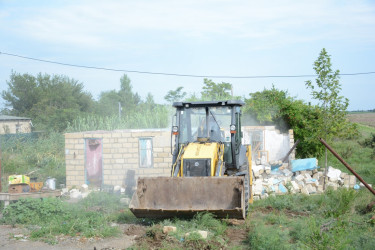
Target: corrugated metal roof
{"points": [[10, 118]]}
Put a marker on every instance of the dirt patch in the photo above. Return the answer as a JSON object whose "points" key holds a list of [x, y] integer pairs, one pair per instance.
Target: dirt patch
{"points": [[288, 212], [236, 236], [135, 230], [234, 222], [18, 238], [363, 118]]}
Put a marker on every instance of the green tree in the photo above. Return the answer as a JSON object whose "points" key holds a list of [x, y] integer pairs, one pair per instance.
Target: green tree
{"points": [[276, 107], [216, 91], [22, 93], [53, 102], [326, 90], [108, 103], [175, 95]]}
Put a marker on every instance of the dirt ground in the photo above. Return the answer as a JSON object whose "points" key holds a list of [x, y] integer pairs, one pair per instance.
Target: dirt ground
{"points": [[363, 118], [16, 238]]}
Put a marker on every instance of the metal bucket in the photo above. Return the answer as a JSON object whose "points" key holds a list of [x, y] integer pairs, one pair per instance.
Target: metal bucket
{"points": [[51, 183], [165, 197]]}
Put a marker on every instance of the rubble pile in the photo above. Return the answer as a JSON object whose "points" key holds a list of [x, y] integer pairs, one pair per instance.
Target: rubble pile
{"points": [[282, 178]]}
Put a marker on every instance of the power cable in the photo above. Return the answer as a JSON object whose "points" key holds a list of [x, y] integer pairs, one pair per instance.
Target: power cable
{"points": [[175, 74]]}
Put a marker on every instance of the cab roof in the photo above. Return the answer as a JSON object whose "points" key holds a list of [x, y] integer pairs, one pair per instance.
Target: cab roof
{"points": [[209, 104]]}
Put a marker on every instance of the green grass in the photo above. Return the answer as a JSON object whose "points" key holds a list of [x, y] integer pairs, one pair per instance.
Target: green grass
{"points": [[180, 240], [335, 220], [358, 157], [44, 156], [48, 218]]}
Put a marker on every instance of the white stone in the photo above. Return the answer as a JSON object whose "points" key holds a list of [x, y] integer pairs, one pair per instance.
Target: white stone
{"points": [[304, 190], [264, 196], [295, 185], [125, 201], [333, 173], [168, 229], [203, 234], [299, 177], [310, 189]]}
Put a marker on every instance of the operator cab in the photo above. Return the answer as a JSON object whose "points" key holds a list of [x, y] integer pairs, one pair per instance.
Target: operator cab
{"points": [[209, 122]]}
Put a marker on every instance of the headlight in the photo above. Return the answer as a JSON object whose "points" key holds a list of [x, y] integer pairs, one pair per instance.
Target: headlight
{"points": [[175, 130], [233, 128]]}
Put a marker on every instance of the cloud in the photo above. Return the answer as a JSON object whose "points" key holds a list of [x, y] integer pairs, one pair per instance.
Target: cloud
{"points": [[106, 24]]}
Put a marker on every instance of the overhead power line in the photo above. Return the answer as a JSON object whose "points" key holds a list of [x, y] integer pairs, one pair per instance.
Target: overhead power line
{"points": [[173, 74]]}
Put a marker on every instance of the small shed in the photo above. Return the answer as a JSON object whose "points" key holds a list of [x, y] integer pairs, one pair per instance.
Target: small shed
{"points": [[14, 124], [119, 157], [116, 157]]}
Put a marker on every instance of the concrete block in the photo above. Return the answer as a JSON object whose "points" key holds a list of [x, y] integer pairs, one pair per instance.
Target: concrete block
{"points": [[307, 176], [333, 179], [334, 173], [343, 175], [320, 189], [168, 229], [332, 185], [352, 180], [311, 189], [299, 177], [264, 196], [287, 172], [267, 169], [304, 190], [295, 186]]}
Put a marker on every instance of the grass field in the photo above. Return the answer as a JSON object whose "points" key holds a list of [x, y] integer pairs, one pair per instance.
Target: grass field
{"points": [[365, 118]]}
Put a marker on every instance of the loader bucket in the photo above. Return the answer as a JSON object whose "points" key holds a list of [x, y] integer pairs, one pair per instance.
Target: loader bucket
{"points": [[165, 197]]}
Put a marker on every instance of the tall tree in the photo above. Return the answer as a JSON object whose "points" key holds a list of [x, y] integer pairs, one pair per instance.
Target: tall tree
{"points": [[216, 91], [108, 103], [175, 95], [22, 93], [326, 90], [51, 101]]}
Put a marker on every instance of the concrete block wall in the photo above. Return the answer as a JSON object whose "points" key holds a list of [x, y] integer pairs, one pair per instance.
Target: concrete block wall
{"points": [[17, 126], [120, 156], [275, 143]]}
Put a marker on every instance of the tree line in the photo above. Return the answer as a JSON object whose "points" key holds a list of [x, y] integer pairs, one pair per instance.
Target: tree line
{"points": [[59, 103]]}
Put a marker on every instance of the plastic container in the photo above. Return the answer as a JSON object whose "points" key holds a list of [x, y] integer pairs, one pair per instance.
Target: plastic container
{"points": [[51, 183]]}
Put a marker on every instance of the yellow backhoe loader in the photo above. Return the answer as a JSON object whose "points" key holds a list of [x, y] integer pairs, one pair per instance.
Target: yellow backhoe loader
{"points": [[211, 169]]}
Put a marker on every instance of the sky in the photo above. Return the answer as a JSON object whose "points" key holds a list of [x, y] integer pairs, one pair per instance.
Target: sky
{"points": [[203, 37]]}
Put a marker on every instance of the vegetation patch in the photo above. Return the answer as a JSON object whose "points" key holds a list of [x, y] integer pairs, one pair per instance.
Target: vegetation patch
{"points": [[94, 216]]}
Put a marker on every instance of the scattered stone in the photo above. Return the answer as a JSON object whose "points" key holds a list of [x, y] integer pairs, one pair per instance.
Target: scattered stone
{"points": [[203, 234], [168, 229], [125, 201], [307, 181]]}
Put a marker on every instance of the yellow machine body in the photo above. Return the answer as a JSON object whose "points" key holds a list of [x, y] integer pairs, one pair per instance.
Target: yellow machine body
{"points": [[207, 150]]}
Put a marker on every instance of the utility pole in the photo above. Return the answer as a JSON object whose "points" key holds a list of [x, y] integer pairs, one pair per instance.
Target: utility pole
{"points": [[119, 110]]}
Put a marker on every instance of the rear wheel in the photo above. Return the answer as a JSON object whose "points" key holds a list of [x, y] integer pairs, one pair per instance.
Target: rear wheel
{"points": [[245, 168]]}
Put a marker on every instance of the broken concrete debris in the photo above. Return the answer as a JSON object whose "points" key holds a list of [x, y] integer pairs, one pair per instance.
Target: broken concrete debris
{"points": [[301, 177], [203, 234], [168, 229]]}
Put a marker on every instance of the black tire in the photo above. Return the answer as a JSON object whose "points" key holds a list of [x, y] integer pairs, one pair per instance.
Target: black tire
{"points": [[245, 168]]}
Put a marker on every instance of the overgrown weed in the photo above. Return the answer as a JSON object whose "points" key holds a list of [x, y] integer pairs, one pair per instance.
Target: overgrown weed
{"points": [[91, 217]]}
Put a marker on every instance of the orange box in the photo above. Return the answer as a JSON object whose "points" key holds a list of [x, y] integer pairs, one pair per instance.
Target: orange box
{"points": [[18, 188], [36, 186]]}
